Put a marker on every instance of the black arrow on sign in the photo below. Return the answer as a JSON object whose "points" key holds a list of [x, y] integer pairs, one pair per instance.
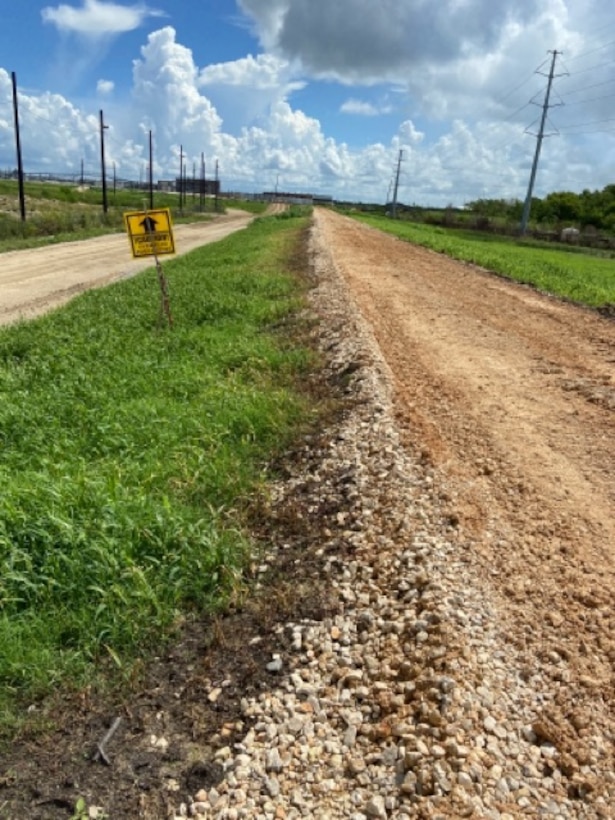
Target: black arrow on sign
{"points": [[149, 224]]}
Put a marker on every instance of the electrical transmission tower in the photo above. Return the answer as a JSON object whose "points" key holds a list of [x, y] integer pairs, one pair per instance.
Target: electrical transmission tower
{"points": [[396, 187], [539, 138]]}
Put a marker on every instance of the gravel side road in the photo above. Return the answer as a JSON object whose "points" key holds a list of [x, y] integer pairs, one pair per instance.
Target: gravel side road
{"points": [[36, 280]]}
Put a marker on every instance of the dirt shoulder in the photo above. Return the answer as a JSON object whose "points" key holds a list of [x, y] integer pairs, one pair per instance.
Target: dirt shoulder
{"points": [[36, 280]]}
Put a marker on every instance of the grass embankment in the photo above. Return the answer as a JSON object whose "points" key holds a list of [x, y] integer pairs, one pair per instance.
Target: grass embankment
{"points": [[128, 452], [583, 277], [61, 213]]}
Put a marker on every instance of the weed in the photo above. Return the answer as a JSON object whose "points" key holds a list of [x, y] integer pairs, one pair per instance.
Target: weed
{"points": [[83, 812]]}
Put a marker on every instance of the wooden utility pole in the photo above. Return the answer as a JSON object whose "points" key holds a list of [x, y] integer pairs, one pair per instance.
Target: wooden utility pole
{"points": [[217, 184], [102, 162], [181, 177], [202, 198], [151, 171], [22, 196]]}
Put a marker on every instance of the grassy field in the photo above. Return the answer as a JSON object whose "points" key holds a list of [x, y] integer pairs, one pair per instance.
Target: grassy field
{"points": [[584, 277], [60, 213], [129, 452]]}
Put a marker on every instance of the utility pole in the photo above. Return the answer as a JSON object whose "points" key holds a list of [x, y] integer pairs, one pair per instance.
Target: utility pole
{"points": [[539, 138], [202, 197], [102, 162], [151, 171], [181, 177], [396, 188], [22, 197], [217, 185]]}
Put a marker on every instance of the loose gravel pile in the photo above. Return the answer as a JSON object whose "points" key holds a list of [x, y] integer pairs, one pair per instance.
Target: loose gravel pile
{"points": [[407, 702]]}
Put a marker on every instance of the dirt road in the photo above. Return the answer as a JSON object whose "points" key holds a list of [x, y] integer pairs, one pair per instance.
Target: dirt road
{"points": [[511, 393], [34, 281], [511, 396]]}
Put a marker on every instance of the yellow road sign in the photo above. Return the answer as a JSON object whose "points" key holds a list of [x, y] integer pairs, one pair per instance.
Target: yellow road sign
{"points": [[150, 232]]}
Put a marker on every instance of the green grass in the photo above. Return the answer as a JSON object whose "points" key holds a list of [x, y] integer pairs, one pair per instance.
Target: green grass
{"points": [[253, 206], [587, 278], [129, 452], [61, 213], [72, 194]]}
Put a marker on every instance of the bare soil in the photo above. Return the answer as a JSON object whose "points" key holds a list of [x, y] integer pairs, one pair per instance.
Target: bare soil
{"points": [[508, 394]]}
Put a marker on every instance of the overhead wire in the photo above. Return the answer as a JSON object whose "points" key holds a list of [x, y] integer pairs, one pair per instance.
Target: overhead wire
{"points": [[516, 88], [591, 51], [565, 95], [588, 87]]}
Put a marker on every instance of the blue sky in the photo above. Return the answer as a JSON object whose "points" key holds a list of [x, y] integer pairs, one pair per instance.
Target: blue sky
{"points": [[316, 95]]}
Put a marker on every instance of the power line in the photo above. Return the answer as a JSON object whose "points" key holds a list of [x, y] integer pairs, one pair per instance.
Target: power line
{"points": [[591, 99], [516, 88], [593, 85], [518, 111], [592, 68], [592, 51], [585, 124]]}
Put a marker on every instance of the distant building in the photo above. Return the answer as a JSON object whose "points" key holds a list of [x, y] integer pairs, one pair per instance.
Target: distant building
{"points": [[296, 199], [192, 185]]}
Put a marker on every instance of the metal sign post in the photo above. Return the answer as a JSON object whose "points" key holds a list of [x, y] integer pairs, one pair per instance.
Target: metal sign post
{"points": [[151, 234]]}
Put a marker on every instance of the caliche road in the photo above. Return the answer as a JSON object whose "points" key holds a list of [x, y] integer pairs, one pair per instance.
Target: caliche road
{"points": [[36, 280]]}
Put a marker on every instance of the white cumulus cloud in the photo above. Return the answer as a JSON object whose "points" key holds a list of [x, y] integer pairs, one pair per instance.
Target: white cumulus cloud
{"points": [[245, 91], [363, 108], [167, 99], [461, 136], [98, 18], [105, 87]]}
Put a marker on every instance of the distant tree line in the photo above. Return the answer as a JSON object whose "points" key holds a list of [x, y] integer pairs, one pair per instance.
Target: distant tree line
{"points": [[586, 211]]}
